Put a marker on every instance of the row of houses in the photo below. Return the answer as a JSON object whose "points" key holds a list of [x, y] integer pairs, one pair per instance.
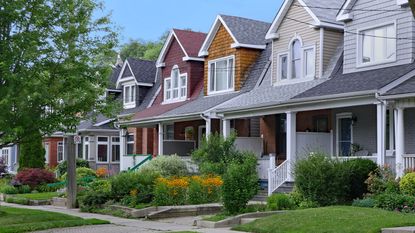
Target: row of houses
{"points": [[327, 76]]}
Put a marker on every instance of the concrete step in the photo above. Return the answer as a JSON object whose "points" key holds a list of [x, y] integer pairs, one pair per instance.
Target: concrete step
{"points": [[399, 230], [247, 220]]}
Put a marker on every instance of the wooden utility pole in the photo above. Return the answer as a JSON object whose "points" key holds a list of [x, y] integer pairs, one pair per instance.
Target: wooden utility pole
{"points": [[71, 173]]}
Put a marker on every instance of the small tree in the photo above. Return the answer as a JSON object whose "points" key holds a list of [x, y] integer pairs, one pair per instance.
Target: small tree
{"points": [[32, 153]]}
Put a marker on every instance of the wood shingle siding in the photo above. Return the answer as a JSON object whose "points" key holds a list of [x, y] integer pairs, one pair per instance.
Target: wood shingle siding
{"points": [[364, 19], [221, 47]]}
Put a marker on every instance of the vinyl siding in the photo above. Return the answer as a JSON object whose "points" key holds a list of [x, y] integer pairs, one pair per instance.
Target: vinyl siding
{"points": [[363, 19], [332, 39], [289, 29]]}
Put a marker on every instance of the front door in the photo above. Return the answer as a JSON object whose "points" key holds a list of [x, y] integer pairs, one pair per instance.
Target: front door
{"points": [[344, 136]]}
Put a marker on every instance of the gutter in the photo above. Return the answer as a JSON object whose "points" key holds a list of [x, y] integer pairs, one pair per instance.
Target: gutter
{"points": [[397, 96]]}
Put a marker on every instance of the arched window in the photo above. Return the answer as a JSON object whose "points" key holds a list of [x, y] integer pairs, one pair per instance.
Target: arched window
{"points": [[296, 59], [175, 86]]}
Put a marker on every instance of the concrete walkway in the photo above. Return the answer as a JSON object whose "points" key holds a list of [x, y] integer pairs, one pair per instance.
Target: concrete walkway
{"points": [[122, 225]]}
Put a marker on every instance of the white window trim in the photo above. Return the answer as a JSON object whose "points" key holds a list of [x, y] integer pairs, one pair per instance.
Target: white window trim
{"points": [[63, 151], [129, 104], [359, 40], [85, 155], [179, 87], [8, 164], [302, 78], [46, 146], [129, 142], [338, 117], [115, 144], [227, 74], [107, 143]]}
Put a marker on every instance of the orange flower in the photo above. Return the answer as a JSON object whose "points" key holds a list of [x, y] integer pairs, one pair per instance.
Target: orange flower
{"points": [[101, 172]]}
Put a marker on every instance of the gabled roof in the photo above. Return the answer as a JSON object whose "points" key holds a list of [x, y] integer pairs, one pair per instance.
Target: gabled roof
{"points": [[114, 76], [142, 71], [247, 33], [100, 123], [344, 13], [189, 41], [315, 8]]}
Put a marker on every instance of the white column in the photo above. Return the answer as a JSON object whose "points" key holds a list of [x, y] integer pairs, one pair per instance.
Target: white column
{"points": [[381, 133], [400, 142], [161, 138], [391, 129], [291, 142], [226, 128], [123, 150], [208, 127]]}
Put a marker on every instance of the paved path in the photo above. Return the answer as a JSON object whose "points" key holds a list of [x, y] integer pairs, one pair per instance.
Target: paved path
{"points": [[122, 225]]}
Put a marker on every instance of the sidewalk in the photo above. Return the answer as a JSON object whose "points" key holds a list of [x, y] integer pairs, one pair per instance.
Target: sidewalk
{"points": [[122, 225]]}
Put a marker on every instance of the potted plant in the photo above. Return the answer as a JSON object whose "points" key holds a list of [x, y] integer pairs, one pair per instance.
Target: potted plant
{"points": [[188, 132]]}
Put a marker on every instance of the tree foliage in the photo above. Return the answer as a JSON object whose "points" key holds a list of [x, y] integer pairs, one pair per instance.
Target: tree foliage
{"points": [[49, 77], [147, 50]]}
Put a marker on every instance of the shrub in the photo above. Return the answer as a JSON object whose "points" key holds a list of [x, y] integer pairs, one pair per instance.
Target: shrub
{"points": [[240, 183], [204, 189], [318, 179], [17, 200], [24, 189], [93, 199], [101, 172], [382, 180], [407, 184], [280, 201], [356, 173], [394, 201], [171, 191], [34, 177], [166, 166], [62, 167], [8, 189], [82, 173], [44, 188], [365, 202], [100, 185]]}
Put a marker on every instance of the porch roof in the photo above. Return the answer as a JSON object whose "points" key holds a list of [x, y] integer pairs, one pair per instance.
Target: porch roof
{"points": [[404, 88], [100, 122], [370, 81]]}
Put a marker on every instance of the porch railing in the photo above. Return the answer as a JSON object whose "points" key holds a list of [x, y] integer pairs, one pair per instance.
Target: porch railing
{"points": [[277, 176], [409, 161]]}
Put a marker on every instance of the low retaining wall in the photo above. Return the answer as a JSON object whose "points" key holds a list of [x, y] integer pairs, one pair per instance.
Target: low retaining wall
{"points": [[59, 201], [234, 220]]}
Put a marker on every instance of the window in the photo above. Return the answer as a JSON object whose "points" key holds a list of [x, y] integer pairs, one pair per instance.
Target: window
{"points": [[299, 62], [46, 152], [130, 144], [175, 87], [60, 151], [296, 59], [129, 96], [283, 61], [79, 149], [5, 156], [221, 75], [377, 45], [309, 62], [115, 149], [86, 148], [169, 132], [344, 134], [102, 149], [321, 123]]}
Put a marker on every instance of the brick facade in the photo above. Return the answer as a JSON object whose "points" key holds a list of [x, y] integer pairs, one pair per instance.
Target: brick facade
{"points": [[53, 150]]}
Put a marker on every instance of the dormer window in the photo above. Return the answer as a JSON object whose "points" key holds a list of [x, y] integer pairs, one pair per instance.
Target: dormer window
{"points": [[129, 95], [175, 87], [377, 45], [296, 64], [221, 75]]}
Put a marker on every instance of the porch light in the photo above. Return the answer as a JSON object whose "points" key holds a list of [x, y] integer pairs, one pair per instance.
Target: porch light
{"points": [[354, 120]]}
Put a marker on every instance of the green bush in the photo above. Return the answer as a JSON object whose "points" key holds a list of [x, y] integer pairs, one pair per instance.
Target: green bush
{"points": [[240, 183], [407, 184], [196, 193], [81, 173], [24, 189], [8, 189], [93, 199], [17, 200], [365, 202], [166, 166], [357, 172], [100, 186], [280, 201], [382, 180], [62, 167], [318, 179], [394, 201]]}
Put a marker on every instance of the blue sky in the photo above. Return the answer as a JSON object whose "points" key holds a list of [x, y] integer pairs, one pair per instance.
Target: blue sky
{"points": [[148, 19]]}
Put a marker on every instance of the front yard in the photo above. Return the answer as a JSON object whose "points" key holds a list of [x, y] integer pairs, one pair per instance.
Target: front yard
{"points": [[336, 219], [24, 220], [38, 196]]}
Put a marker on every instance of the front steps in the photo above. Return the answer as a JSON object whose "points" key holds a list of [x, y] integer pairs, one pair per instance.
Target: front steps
{"points": [[262, 194]]}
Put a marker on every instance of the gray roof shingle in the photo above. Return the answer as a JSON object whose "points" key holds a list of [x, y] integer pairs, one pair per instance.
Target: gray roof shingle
{"points": [[144, 71], [89, 124], [404, 88], [247, 31], [325, 15], [114, 77]]}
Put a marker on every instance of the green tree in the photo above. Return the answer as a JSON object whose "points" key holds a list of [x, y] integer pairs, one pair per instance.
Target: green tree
{"points": [[49, 76], [148, 50]]}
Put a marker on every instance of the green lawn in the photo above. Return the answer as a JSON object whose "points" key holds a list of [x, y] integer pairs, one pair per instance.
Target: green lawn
{"points": [[14, 220], [330, 219], [38, 196]]}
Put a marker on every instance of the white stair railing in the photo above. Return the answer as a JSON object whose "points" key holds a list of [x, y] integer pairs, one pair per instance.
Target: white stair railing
{"points": [[409, 161], [277, 177]]}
